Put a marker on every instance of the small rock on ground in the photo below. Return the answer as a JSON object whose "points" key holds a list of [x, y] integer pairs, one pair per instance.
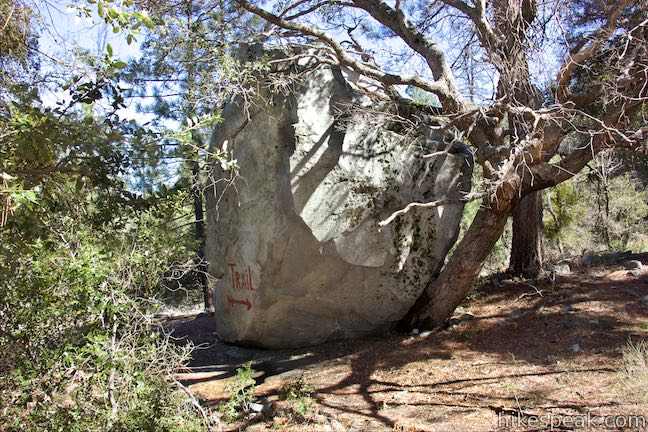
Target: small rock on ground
{"points": [[570, 309], [257, 407], [468, 316], [515, 313], [633, 264], [572, 324]]}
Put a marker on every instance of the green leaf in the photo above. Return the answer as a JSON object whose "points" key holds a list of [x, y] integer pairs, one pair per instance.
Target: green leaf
{"points": [[120, 64], [109, 49], [30, 195]]}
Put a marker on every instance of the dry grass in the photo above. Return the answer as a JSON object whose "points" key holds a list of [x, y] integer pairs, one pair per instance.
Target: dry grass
{"points": [[634, 372]]}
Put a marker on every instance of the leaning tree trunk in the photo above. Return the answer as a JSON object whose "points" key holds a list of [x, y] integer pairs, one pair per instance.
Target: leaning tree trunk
{"points": [[526, 247], [444, 293]]}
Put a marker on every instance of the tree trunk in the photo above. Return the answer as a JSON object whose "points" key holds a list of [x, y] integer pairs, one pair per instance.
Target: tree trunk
{"points": [[444, 293], [603, 218], [199, 215], [526, 247], [195, 182]]}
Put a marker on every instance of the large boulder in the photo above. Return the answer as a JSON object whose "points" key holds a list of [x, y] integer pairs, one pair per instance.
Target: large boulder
{"points": [[294, 242]]}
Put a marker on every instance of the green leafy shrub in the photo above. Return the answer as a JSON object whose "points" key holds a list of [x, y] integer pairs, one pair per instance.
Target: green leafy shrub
{"points": [[300, 394], [79, 349], [82, 257], [574, 223], [242, 396]]}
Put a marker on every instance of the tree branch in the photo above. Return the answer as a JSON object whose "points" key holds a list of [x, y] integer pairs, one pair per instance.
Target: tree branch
{"points": [[545, 175], [388, 79], [583, 51], [477, 15], [434, 56], [444, 201]]}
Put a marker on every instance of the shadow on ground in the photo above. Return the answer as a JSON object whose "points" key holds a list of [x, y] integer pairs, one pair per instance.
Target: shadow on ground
{"points": [[519, 344]]}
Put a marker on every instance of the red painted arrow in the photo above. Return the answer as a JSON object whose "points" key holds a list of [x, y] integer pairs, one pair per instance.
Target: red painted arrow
{"points": [[232, 301]]}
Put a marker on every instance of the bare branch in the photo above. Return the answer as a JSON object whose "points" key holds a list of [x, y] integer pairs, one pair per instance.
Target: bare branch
{"points": [[477, 15], [195, 404], [439, 88], [546, 174], [441, 202], [434, 56]]}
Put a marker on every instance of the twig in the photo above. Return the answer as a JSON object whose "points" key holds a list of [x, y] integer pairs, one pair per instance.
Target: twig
{"points": [[195, 403], [13, 7], [526, 294], [435, 154], [445, 201]]}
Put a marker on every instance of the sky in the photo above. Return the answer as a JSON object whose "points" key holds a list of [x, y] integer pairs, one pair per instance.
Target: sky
{"points": [[63, 31]]}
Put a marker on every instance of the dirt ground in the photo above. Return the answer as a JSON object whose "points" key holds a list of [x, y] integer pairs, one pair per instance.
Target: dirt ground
{"points": [[517, 349]]}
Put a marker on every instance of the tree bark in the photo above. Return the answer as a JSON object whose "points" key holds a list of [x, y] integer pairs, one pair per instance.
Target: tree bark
{"points": [[444, 293], [195, 182], [526, 247], [199, 215]]}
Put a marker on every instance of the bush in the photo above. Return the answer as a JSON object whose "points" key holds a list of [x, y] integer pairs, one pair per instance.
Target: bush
{"points": [[79, 349], [300, 394], [242, 396], [576, 224]]}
